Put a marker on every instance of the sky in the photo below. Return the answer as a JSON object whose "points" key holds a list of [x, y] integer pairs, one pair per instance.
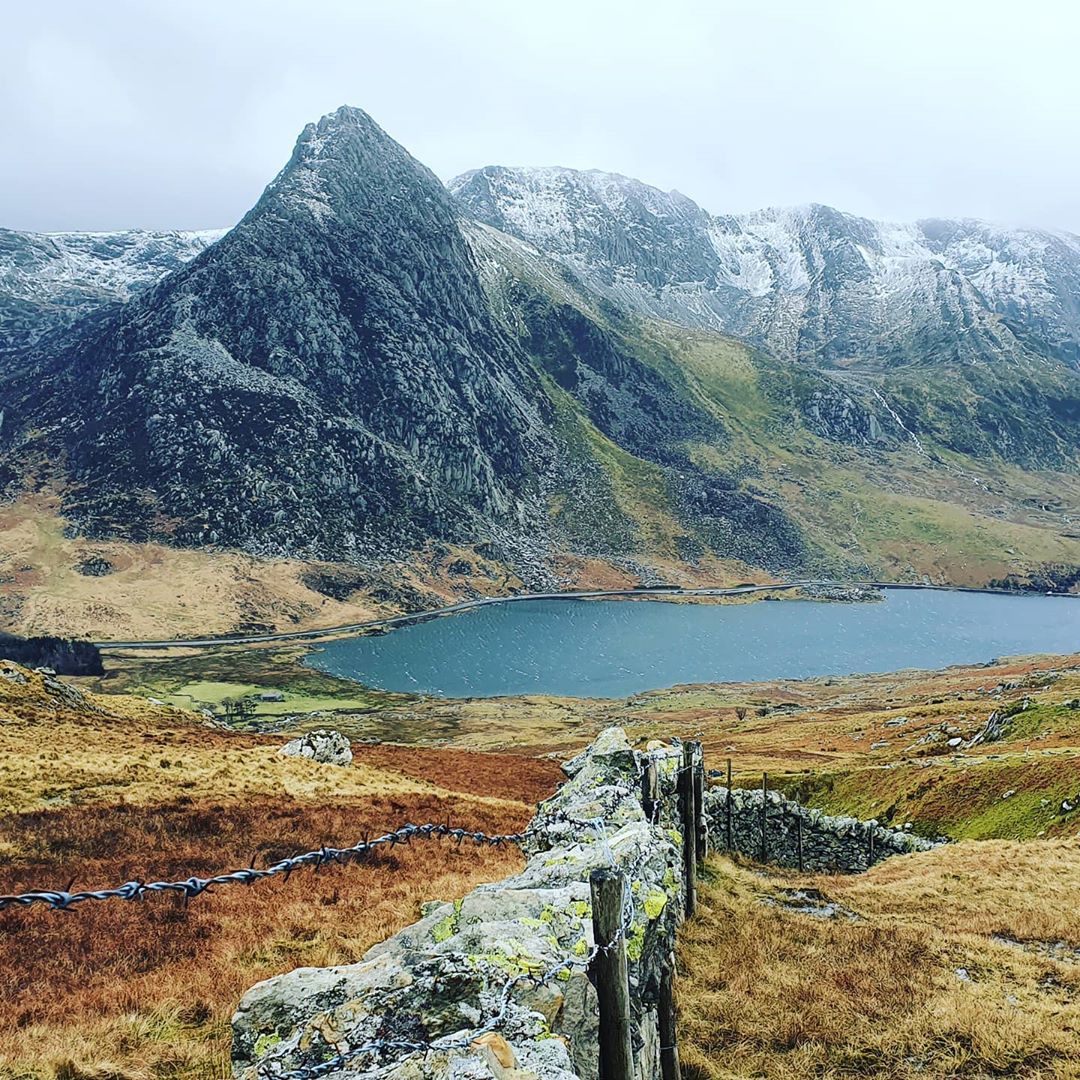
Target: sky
{"points": [[165, 114]]}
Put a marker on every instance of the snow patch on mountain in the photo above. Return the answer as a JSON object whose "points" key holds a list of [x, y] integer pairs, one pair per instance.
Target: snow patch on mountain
{"points": [[48, 280], [811, 283]]}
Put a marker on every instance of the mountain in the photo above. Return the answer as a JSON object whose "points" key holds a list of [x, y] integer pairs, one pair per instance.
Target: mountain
{"points": [[810, 284], [326, 378], [49, 280], [580, 377]]}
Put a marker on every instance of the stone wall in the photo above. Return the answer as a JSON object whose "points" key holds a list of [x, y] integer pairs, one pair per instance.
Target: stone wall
{"points": [[509, 959], [830, 844]]}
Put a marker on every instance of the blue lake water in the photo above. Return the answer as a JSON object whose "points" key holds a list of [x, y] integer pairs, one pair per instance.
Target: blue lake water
{"points": [[612, 648]]}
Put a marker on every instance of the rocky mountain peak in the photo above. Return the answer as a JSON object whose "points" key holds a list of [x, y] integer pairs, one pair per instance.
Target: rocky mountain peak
{"points": [[326, 377], [344, 166]]}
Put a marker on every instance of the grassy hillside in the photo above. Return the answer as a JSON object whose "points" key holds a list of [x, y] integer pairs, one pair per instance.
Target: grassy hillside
{"points": [[102, 789], [960, 962]]}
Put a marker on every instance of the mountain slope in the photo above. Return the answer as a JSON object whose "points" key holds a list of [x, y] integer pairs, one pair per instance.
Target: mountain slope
{"points": [[811, 283], [326, 378]]}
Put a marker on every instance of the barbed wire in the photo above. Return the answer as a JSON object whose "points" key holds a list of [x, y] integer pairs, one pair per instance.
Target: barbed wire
{"points": [[190, 887]]}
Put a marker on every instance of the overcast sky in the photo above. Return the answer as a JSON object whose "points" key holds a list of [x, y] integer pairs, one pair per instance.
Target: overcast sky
{"points": [[170, 114]]}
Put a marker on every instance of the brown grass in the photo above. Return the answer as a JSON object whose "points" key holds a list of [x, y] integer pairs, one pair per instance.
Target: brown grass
{"points": [[104, 789], [916, 986], [156, 591], [148, 988]]}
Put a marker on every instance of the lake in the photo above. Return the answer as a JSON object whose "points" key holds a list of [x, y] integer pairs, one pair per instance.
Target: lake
{"points": [[613, 648]]}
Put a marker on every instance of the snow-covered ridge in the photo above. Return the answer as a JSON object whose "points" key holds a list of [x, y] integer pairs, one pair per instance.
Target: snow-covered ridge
{"points": [[810, 282], [48, 280]]}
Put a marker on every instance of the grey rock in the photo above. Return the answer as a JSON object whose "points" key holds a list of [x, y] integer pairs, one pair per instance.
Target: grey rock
{"points": [[322, 745]]}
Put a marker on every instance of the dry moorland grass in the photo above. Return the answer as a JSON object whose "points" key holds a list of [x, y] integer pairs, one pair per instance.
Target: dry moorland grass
{"points": [[146, 989], [156, 591], [101, 789], [945, 970]]}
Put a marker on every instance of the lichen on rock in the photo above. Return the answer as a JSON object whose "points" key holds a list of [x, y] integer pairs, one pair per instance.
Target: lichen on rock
{"points": [[511, 955]]}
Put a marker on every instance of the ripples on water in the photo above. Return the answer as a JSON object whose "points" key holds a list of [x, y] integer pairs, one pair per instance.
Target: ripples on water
{"points": [[611, 648]]}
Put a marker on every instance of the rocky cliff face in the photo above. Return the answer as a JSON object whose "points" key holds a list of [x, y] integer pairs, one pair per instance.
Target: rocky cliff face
{"points": [[326, 378], [811, 283]]}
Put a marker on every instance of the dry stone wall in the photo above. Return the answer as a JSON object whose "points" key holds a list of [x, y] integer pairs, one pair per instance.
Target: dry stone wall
{"points": [[508, 960], [830, 844]]}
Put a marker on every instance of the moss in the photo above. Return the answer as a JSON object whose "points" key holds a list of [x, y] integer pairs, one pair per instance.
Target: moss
{"points": [[580, 908], [510, 963], [635, 942], [654, 904], [580, 947], [559, 860]]}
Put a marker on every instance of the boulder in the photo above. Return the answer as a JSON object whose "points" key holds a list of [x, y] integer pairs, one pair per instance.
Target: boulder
{"points": [[323, 745]]}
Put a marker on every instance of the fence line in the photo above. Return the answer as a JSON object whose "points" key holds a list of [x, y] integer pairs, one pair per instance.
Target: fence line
{"points": [[690, 812], [190, 887]]}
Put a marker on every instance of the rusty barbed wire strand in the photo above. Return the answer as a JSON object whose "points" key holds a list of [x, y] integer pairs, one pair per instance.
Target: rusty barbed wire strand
{"points": [[190, 887], [193, 886]]}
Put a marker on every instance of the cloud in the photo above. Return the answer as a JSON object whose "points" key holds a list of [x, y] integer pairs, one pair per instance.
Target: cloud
{"points": [[177, 114]]}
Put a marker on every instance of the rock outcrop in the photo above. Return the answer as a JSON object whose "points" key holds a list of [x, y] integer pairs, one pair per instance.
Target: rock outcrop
{"points": [[322, 745]]}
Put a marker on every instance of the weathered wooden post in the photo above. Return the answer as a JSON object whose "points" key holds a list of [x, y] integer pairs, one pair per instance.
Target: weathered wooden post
{"points": [[798, 837], [609, 974], [870, 846], [669, 1047], [650, 792], [688, 817], [702, 831], [764, 817], [730, 837]]}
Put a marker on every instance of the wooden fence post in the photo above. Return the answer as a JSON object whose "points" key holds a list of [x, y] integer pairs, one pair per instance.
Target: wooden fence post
{"points": [[689, 826], [650, 792], [609, 974], [702, 832], [669, 1047], [730, 838], [798, 837], [870, 838], [764, 817]]}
